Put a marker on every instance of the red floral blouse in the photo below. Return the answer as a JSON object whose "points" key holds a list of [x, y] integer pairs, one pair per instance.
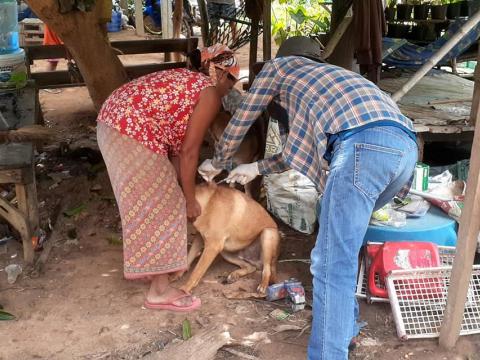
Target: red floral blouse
{"points": [[154, 109]]}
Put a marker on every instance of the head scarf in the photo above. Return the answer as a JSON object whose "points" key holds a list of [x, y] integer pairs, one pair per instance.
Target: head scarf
{"points": [[220, 56]]}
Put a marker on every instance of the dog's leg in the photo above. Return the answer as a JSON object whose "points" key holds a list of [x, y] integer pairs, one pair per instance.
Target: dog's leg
{"points": [[194, 252], [269, 240], [210, 252], [245, 267]]}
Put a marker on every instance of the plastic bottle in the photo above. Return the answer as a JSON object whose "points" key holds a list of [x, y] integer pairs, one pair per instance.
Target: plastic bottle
{"points": [[8, 26], [13, 270], [116, 22]]}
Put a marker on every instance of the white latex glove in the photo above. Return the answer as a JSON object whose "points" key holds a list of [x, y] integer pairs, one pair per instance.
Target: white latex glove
{"points": [[243, 174], [208, 171]]}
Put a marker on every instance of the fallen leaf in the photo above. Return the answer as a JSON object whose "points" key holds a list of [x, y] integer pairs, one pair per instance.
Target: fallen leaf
{"points": [[186, 330], [6, 315]]}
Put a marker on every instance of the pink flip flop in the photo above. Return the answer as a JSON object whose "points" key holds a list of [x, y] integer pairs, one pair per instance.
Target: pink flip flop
{"points": [[172, 307]]}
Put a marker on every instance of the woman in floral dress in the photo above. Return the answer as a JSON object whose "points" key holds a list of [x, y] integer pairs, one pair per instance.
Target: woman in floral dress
{"points": [[149, 132]]}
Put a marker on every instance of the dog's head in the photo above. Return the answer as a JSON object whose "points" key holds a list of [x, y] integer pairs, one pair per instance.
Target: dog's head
{"points": [[219, 124]]}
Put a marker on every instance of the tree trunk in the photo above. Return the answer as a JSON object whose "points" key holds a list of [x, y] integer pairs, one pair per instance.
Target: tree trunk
{"points": [[86, 39]]}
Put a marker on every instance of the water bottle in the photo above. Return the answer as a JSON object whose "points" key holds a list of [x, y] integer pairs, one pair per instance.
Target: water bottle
{"points": [[116, 22], [13, 270], [8, 26]]}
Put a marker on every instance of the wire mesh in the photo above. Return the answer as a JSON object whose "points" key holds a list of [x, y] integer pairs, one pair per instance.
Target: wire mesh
{"points": [[418, 298], [236, 38], [447, 254]]}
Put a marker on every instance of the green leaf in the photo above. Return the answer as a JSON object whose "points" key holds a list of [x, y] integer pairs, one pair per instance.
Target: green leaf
{"points": [[75, 211], [186, 330], [298, 16], [6, 316]]}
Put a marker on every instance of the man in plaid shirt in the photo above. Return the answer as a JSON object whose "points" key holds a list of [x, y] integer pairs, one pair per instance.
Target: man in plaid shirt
{"points": [[337, 120]]}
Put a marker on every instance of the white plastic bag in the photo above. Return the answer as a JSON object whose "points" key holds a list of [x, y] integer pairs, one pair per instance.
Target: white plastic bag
{"points": [[291, 196]]}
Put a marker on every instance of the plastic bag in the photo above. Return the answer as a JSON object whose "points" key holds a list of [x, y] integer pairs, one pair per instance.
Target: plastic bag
{"points": [[291, 196], [387, 216], [454, 207]]}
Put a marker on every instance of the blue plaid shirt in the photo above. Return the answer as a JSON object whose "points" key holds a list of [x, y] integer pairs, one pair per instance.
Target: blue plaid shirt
{"points": [[320, 99]]}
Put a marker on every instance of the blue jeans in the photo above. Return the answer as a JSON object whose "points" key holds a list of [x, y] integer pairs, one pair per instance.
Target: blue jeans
{"points": [[367, 170]]}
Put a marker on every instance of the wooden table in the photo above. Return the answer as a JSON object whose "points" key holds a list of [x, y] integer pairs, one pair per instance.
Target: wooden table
{"points": [[18, 108], [439, 106]]}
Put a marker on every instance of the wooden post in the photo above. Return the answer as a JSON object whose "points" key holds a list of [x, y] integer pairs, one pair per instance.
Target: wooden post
{"points": [[139, 18], [253, 50], [167, 24], [476, 90], [202, 8], [267, 30], [343, 53], [467, 242], [337, 35]]}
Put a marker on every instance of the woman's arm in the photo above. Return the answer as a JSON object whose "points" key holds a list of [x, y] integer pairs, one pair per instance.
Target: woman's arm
{"points": [[204, 113]]}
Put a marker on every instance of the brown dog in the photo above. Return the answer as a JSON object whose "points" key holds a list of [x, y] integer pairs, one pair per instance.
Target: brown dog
{"points": [[230, 222], [249, 150]]}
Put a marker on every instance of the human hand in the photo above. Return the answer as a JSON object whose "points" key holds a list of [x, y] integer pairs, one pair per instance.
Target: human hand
{"points": [[208, 171], [243, 174], [193, 210]]}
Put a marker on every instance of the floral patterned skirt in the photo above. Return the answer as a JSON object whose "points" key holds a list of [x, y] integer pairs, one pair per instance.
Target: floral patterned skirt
{"points": [[151, 205]]}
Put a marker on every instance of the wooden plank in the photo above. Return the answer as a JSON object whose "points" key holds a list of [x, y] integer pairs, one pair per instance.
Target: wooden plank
{"points": [[155, 45], [16, 176], [267, 30], [468, 235], [135, 71], [57, 79], [127, 47]]}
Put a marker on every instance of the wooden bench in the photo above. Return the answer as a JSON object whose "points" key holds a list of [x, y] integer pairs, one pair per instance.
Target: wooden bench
{"points": [[61, 78]]}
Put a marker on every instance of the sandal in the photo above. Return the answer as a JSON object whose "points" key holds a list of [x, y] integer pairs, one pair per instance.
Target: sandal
{"points": [[196, 302]]}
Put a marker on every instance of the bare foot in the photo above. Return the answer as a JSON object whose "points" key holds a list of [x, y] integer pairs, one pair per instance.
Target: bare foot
{"points": [[171, 295]]}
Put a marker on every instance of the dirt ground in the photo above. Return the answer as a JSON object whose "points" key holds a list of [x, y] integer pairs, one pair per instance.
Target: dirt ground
{"points": [[81, 307]]}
